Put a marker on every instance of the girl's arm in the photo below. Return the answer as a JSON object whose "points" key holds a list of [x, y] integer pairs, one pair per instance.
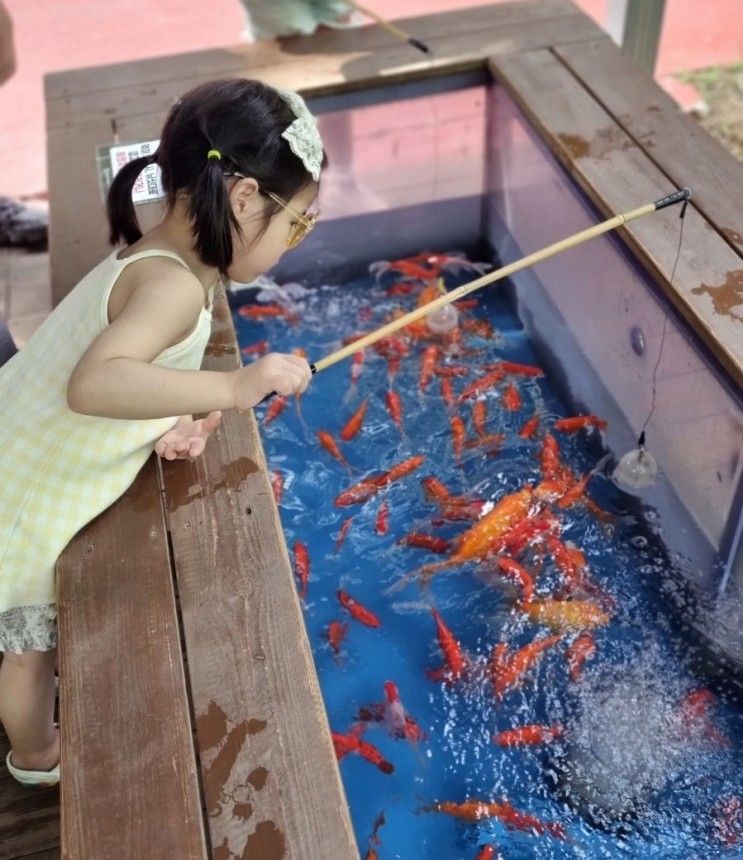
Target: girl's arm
{"points": [[116, 379]]}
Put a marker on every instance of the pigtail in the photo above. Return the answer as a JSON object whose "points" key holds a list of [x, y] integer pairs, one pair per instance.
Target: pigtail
{"points": [[212, 216], [122, 221]]}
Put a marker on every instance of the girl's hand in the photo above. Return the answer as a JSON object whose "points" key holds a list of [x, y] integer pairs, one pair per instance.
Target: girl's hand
{"points": [[187, 439], [275, 372]]}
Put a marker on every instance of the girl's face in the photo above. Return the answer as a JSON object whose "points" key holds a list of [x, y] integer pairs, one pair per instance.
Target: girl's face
{"points": [[253, 255]]}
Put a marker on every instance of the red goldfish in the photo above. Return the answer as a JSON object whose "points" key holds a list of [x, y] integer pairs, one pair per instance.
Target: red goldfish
{"points": [[342, 534], [382, 522], [399, 723], [259, 348], [512, 398], [428, 363], [454, 665], [486, 852], [335, 634], [520, 575], [695, 714], [579, 422], [520, 369], [356, 610], [507, 671], [550, 457], [353, 425], [477, 810], [727, 821], [394, 407], [275, 408], [259, 312], [458, 433], [422, 541], [528, 735], [331, 446], [301, 567], [277, 485], [579, 651], [434, 490], [449, 371], [351, 742], [530, 428], [479, 416]]}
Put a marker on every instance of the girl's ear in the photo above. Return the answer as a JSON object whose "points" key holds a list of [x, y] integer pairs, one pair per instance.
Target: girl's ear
{"points": [[243, 196]]}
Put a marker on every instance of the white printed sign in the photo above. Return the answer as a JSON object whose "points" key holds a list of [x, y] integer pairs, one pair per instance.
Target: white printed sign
{"points": [[148, 185]]}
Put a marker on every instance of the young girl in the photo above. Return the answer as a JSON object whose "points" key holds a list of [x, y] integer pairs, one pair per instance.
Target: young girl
{"points": [[96, 389]]}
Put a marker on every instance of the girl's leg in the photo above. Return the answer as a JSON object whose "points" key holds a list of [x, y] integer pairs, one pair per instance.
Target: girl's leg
{"points": [[27, 708]]}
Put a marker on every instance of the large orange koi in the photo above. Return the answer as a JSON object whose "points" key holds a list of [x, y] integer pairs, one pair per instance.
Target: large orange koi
{"points": [[567, 614]]}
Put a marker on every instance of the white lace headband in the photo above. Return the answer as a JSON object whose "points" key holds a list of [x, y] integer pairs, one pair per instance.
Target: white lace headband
{"points": [[303, 134]]}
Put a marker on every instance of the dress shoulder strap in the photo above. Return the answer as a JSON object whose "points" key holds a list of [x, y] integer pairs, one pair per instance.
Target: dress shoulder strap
{"points": [[152, 252]]}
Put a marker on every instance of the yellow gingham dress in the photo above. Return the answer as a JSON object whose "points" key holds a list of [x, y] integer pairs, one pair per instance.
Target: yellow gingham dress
{"points": [[59, 469]]}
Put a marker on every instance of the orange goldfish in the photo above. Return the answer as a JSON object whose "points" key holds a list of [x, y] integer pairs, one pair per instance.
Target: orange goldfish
{"points": [[394, 407], [331, 446], [479, 416], [353, 425], [579, 422], [519, 574], [447, 392], [507, 671], [301, 567], [382, 522], [357, 611], [512, 398], [486, 852], [454, 665], [428, 362], [528, 735], [476, 810], [434, 490], [342, 534], [550, 457], [481, 384], [458, 435], [357, 365], [335, 634], [567, 614], [369, 487], [277, 485], [399, 470], [579, 651], [530, 428], [275, 408]]}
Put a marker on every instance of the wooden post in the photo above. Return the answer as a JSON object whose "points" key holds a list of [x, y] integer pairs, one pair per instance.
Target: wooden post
{"points": [[636, 26]]}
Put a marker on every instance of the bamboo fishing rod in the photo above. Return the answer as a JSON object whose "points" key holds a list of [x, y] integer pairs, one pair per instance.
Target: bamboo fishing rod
{"points": [[460, 292], [389, 26]]}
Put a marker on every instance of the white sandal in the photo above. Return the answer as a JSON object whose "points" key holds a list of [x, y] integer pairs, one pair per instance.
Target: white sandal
{"points": [[33, 778]]}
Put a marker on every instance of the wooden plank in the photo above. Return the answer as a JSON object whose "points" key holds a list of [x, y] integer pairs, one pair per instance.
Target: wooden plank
{"points": [[129, 783], [682, 149], [271, 782], [326, 48], [325, 63], [618, 176], [29, 820]]}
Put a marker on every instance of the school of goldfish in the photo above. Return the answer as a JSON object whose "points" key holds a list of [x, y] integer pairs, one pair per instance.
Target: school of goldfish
{"points": [[508, 538]]}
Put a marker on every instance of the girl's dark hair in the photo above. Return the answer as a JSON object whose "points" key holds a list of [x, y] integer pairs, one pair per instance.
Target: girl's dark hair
{"points": [[244, 121]]}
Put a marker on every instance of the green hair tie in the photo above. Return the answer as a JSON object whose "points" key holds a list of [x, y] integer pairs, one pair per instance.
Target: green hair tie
{"points": [[214, 153]]}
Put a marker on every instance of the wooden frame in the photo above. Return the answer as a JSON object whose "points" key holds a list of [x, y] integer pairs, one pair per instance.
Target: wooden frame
{"points": [[203, 541]]}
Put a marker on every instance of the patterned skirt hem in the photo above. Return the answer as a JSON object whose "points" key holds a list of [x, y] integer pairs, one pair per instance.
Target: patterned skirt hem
{"points": [[28, 628]]}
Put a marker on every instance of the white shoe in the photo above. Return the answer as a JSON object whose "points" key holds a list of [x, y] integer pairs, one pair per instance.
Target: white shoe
{"points": [[33, 778]]}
